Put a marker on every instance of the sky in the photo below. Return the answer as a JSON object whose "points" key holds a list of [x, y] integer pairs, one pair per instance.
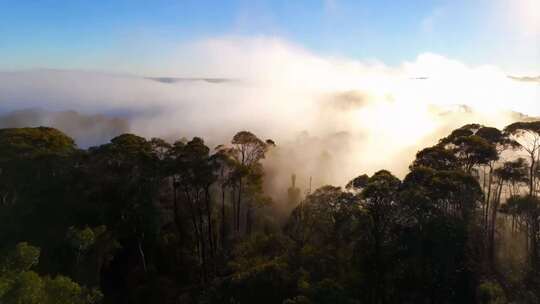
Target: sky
{"points": [[343, 87], [142, 37]]}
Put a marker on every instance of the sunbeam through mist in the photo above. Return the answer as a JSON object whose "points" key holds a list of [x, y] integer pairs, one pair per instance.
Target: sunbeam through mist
{"points": [[381, 114]]}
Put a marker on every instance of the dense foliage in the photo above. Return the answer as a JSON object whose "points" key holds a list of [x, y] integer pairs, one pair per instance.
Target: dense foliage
{"points": [[148, 221]]}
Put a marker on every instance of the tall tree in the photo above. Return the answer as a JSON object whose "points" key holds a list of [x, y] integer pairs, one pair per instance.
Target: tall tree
{"points": [[470, 149], [527, 135], [125, 185], [248, 151], [30, 157], [436, 157], [435, 235], [224, 161], [527, 208], [195, 173], [379, 202]]}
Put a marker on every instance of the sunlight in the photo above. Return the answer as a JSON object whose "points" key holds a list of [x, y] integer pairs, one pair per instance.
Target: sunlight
{"points": [[528, 15]]}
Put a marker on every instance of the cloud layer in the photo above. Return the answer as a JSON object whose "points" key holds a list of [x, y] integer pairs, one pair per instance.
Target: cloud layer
{"points": [[333, 118]]}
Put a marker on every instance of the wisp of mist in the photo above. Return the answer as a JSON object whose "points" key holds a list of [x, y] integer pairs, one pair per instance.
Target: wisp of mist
{"points": [[332, 118]]}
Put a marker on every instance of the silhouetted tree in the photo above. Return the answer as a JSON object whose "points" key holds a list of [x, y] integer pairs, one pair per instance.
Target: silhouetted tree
{"points": [[527, 135]]}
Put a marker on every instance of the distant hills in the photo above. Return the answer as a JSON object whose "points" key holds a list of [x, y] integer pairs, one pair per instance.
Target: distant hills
{"points": [[179, 79], [86, 129], [526, 78]]}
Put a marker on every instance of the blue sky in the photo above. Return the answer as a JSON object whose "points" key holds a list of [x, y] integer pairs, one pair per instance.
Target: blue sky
{"points": [[79, 34]]}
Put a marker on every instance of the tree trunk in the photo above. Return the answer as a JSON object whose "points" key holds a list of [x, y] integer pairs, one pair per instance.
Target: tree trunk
{"points": [[199, 246], [201, 238], [493, 228], [209, 219], [534, 243], [536, 164], [531, 175], [248, 219], [233, 203], [488, 197], [141, 253], [177, 222], [238, 206], [223, 221]]}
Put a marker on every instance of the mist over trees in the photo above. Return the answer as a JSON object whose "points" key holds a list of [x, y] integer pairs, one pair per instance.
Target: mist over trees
{"points": [[141, 220]]}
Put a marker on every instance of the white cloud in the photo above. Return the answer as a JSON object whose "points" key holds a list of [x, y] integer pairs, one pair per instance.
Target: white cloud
{"points": [[381, 114]]}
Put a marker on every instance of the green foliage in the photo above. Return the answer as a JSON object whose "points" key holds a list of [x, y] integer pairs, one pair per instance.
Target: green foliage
{"points": [[358, 183], [513, 171], [150, 221], [22, 258], [81, 239], [26, 288], [491, 293], [437, 158], [62, 290], [21, 285], [298, 300], [29, 143], [523, 127], [324, 215], [523, 205], [473, 145], [261, 273]]}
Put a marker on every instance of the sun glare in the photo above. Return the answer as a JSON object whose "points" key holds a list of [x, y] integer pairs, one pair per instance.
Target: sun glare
{"points": [[529, 15]]}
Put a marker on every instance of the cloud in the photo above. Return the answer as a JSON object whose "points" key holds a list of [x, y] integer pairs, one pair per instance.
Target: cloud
{"points": [[333, 118]]}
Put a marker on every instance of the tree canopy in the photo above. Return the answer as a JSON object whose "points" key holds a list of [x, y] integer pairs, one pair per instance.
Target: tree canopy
{"points": [[139, 220]]}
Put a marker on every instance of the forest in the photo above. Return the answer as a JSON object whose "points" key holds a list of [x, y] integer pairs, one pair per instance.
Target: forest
{"points": [[141, 220]]}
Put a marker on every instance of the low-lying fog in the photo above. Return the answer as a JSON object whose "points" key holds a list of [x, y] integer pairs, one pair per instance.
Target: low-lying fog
{"points": [[332, 118]]}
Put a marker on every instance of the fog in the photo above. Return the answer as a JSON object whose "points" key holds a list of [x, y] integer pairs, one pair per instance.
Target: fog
{"points": [[332, 118]]}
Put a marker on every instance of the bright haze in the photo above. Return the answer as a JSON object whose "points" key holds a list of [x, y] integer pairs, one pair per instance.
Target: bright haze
{"points": [[343, 87]]}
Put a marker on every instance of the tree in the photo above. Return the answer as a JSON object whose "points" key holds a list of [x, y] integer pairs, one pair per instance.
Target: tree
{"points": [[29, 157], [435, 236], [173, 166], [224, 164], [527, 208], [26, 143], [293, 193], [36, 175], [323, 229], [477, 146], [85, 240], [527, 135], [501, 142], [512, 173], [324, 216], [149, 221], [491, 293], [194, 174], [379, 203], [248, 151], [357, 183], [261, 272], [19, 284], [469, 148], [436, 157], [125, 184]]}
